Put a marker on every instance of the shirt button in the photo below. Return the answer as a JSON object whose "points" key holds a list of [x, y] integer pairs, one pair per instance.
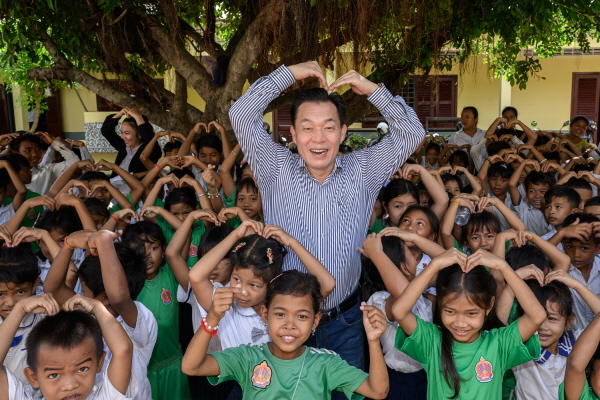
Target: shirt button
{"points": [[323, 235], [322, 210]]}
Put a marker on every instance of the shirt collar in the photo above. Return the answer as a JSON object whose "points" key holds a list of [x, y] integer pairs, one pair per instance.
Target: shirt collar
{"points": [[565, 345], [337, 167]]}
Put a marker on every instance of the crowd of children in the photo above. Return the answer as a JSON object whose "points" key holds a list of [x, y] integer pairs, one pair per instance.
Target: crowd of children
{"points": [[154, 277]]}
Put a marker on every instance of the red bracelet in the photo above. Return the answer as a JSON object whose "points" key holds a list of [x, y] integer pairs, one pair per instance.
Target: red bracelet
{"points": [[115, 218], [205, 328], [67, 245], [159, 167]]}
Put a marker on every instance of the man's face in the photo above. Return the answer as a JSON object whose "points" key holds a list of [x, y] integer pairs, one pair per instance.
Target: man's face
{"points": [[318, 133]]}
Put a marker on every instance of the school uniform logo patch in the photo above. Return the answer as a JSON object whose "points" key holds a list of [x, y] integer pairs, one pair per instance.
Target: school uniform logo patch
{"points": [[261, 376], [31, 214], [165, 296], [484, 370], [193, 251]]}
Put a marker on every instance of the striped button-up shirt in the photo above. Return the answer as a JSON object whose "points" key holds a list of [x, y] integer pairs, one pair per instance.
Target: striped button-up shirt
{"points": [[330, 219]]}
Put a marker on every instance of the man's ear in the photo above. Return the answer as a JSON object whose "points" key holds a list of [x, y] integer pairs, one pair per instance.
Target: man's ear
{"points": [[32, 378], [293, 132], [344, 133]]}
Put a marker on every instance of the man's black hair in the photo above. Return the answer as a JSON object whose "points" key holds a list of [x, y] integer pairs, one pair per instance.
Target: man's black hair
{"points": [[16, 160], [134, 266], [319, 95], [64, 220], [65, 330], [18, 264], [538, 178], [501, 169], [563, 191], [210, 141], [26, 137]]}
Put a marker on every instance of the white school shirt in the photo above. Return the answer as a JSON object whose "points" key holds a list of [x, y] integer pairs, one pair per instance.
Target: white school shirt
{"points": [[532, 217], [394, 358], [198, 313], [479, 152], [583, 314], [6, 213], [44, 266], [143, 337], [460, 138], [425, 260], [106, 391], [541, 381], [504, 225], [16, 358], [549, 235], [43, 177], [236, 327]]}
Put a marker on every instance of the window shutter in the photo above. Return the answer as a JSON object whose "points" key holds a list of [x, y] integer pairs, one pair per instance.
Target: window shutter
{"points": [[585, 97], [283, 122], [424, 98], [446, 99], [53, 118]]}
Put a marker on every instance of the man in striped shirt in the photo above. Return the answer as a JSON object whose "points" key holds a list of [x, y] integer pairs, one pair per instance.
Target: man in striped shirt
{"points": [[323, 200]]}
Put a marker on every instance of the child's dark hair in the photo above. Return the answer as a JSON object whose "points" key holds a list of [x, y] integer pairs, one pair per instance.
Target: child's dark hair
{"points": [[253, 252], [583, 219], [170, 146], [578, 183], [453, 178], [473, 110], [91, 176], [18, 264], [64, 220], [459, 154], [210, 141], [295, 283], [180, 173], [479, 287], [424, 192], [538, 178], [16, 160], [480, 221], [135, 236], [134, 125], [213, 237], [552, 156], [399, 187], [90, 271], [579, 118], [65, 330], [519, 257], [509, 108], [583, 167], [496, 147], [182, 195], [434, 222], [433, 146], [96, 207], [504, 131], [248, 184], [563, 191], [594, 201], [500, 169], [554, 292], [25, 137], [393, 247]]}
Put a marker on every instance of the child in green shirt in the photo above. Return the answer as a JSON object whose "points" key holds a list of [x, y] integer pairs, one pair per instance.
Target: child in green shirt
{"points": [[582, 380]]}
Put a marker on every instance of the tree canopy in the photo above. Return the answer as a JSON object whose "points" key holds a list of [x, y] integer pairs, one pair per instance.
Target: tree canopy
{"points": [[77, 41]]}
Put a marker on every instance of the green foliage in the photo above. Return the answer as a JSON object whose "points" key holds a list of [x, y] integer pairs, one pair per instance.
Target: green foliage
{"points": [[356, 141]]}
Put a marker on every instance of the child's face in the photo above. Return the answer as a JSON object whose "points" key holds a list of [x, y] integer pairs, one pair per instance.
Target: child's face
{"points": [[249, 201], [11, 293], [254, 289], [468, 120], [208, 155], [594, 210], [557, 210], [25, 174], [463, 318], [424, 199], [222, 272], [130, 136], [247, 172], [102, 194], [432, 156], [484, 239], [535, 194], [553, 327], [154, 258], [31, 151], [457, 162], [509, 115], [66, 373], [291, 320], [99, 220], [452, 187], [498, 185], [172, 153], [181, 210], [395, 208], [581, 253], [417, 222], [585, 195], [578, 128]]}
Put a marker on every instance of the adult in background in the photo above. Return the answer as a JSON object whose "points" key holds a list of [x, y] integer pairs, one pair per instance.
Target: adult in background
{"points": [[323, 199], [469, 134]]}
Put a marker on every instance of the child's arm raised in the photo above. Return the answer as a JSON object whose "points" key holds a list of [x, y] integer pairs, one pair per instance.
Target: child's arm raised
{"points": [[102, 244], [15, 222], [205, 203], [507, 298], [231, 212], [150, 213], [534, 314], [213, 182], [137, 189], [559, 259], [100, 185], [195, 360], [84, 215], [436, 191], [25, 234], [145, 156], [475, 185], [200, 273], [120, 219], [377, 384], [510, 216], [151, 198], [592, 301], [184, 150], [463, 199], [309, 261], [179, 241], [226, 177], [577, 362], [223, 135], [117, 340], [66, 176], [513, 183], [42, 304], [403, 306]]}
